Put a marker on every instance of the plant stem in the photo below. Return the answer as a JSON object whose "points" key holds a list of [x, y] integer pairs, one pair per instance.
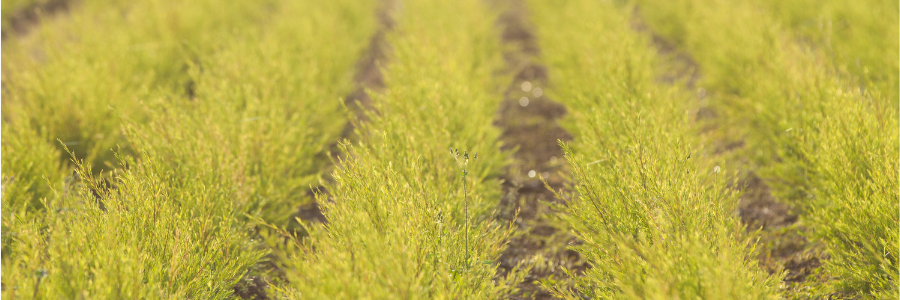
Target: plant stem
{"points": [[466, 195]]}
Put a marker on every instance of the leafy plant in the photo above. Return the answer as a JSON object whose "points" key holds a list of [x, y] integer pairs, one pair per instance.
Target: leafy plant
{"points": [[822, 141], [397, 210], [651, 208]]}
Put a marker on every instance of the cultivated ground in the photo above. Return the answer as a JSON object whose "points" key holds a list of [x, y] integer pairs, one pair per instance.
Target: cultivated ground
{"points": [[298, 149]]}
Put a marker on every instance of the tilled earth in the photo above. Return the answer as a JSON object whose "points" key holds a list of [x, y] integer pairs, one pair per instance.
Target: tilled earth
{"points": [[368, 77], [783, 245], [529, 123], [528, 120]]}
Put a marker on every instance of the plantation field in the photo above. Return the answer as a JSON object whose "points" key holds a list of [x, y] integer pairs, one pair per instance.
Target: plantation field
{"points": [[470, 149]]}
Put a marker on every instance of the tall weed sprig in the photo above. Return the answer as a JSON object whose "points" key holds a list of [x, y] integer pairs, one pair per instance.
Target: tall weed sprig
{"points": [[464, 163]]}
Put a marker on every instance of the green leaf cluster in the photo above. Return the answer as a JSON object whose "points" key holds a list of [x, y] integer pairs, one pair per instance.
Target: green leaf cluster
{"points": [[821, 132], [652, 209], [397, 209], [222, 115]]}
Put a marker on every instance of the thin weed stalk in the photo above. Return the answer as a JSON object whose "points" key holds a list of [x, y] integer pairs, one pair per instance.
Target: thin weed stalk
{"points": [[465, 172]]}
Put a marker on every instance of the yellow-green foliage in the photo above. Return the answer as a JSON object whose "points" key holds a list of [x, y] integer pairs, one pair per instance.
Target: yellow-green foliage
{"points": [[30, 167], [275, 93], [861, 36], [223, 112], [74, 77], [31, 172], [651, 208], [10, 7], [820, 139], [251, 139], [397, 209], [160, 233], [851, 160]]}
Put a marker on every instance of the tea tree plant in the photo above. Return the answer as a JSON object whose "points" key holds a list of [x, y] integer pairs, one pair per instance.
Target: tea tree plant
{"points": [[397, 224], [250, 140], [31, 170], [154, 236], [856, 36], [818, 137], [153, 149], [102, 60], [277, 98], [648, 203]]}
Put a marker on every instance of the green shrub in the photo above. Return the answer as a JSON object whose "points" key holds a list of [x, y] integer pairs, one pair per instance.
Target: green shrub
{"points": [[818, 139], [277, 98], [857, 35], [850, 158], [652, 210], [159, 233], [205, 115], [171, 220], [103, 59], [397, 209], [30, 169]]}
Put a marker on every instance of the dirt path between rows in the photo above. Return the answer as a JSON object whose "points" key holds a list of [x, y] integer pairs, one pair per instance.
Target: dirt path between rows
{"points": [[528, 120], [782, 245], [23, 21], [367, 77]]}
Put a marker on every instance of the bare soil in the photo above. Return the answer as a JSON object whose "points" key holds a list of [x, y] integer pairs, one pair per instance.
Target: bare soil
{"points": [[530, 128], [21, 22], [678, 67], [782, 242], [783, 245], [367, 77]]}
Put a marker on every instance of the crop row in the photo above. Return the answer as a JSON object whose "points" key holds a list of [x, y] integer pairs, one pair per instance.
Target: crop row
{"points": [[857, 36], [819, 128], [650, 204], [196, 129], [410, 210], [224, 113]]}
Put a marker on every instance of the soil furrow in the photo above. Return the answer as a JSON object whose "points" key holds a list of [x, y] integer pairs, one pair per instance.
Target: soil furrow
{"points": [[528, 120], [367, 77], [24, 20], [782, 245]]}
